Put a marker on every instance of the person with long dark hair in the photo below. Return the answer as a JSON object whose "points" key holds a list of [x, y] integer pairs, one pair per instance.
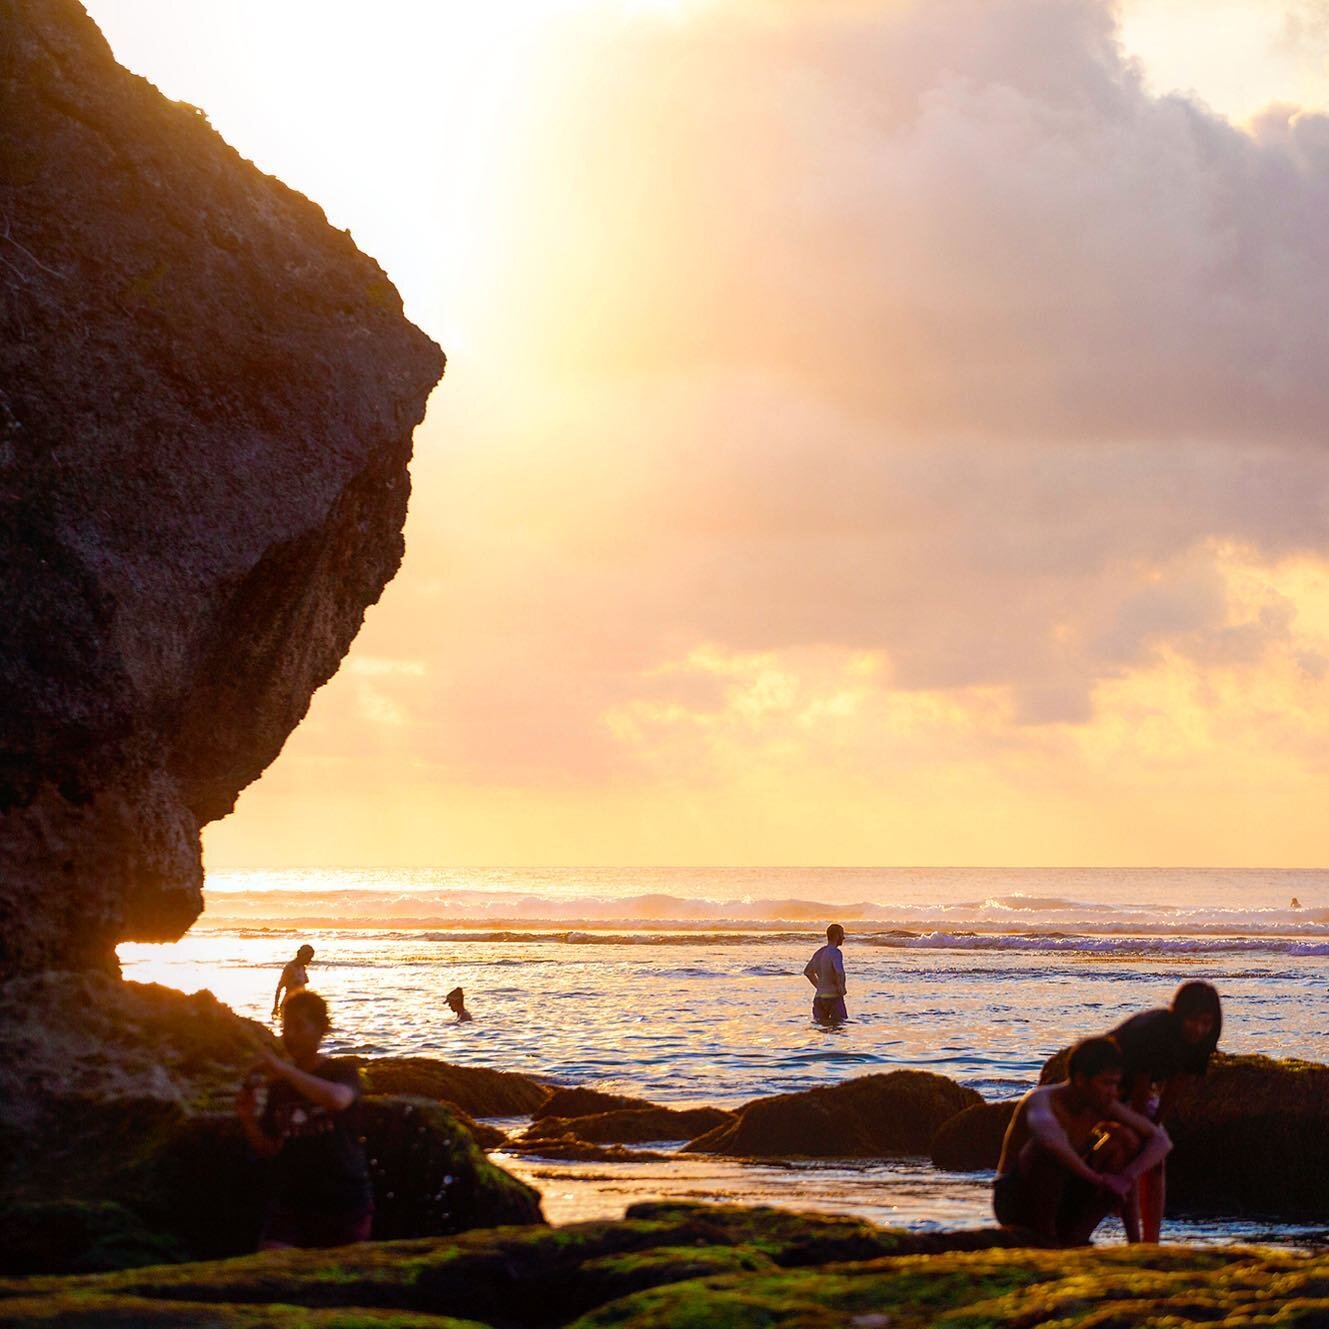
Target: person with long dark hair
{"points": [[1164, 1054]]}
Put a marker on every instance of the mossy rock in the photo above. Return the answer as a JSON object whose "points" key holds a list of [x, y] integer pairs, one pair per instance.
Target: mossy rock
{"points": [[1122, 1289], [872, 1116], [630, 1125], [429, 1178], [83, 1312], [971, 1140], [521, 1277], [78, 1236], [476, 1090], [580, 1102]]}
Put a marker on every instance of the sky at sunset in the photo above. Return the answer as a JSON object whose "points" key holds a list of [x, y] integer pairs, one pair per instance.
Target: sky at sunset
{"points": [[884, 433]]}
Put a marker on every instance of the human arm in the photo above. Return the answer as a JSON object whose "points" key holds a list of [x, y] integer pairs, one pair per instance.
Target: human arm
{"points": [[810, 972], [246, 1108], [329, 1094], [837, 963], [1050, 1135], [1157, 1142], [276, 996]]}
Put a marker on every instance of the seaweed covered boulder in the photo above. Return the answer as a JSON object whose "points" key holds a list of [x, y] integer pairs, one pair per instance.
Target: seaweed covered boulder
{"points": [[582, 1102], [207, 400], [628, 1125], [872, 1116], [517, 1277], [476, 1090], [971, 1140], [430, 1178], [79, 1236]]}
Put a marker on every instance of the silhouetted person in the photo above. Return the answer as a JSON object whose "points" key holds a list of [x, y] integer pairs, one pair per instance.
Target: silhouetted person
{"points": [[825, 971], [1164, 1054], [1296, 904], [457, 1000], [1073, 1150], [310, 1127], [293, 977]]}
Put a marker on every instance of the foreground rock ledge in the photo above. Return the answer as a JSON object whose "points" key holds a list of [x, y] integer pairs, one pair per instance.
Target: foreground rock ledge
{"points": [[207, 397], [670, 1266]]}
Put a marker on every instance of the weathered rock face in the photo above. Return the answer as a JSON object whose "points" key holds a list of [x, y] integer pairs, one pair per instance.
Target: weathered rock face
{"points": [[207, 396]]}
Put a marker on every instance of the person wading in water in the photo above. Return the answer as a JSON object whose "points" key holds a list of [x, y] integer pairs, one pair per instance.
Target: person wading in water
{"points": [[293, 978]]}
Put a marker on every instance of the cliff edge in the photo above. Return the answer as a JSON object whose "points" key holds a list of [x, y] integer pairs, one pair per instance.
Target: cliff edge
{"points": [[207, 397]]}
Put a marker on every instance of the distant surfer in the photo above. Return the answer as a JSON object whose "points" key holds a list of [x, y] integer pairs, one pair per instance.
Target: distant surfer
{"points": [[825, 971], [456, 999], [1164, 1054], [293, 978], [1073, 1151], [1296, 904]]}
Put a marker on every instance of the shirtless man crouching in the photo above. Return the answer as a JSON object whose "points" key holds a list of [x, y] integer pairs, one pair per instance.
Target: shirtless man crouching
{"points": [[1073, 1150]]}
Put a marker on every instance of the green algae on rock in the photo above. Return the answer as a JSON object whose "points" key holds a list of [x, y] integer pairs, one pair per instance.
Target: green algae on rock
{"points": [[700, 1267], [628, 1125]]}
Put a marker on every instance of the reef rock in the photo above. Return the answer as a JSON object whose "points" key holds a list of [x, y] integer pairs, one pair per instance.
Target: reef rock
{"points": [[873, 1116], [971, 1140], [207, 397], [476, 1090], [629, 1125], [579, 1102]]}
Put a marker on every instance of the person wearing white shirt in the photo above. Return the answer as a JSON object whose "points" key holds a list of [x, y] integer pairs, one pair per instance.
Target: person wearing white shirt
{"points": [[825, 971]]}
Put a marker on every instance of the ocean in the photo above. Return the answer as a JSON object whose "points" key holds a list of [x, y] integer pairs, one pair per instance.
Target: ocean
{"points": [[685, 986]]}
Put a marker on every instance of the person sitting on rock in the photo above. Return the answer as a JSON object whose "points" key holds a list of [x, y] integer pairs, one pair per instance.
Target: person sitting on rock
{"points": [[825, 971], [293, 978], [456, 999], [1164, 1054], [310, 1127], [1074, 1150]]}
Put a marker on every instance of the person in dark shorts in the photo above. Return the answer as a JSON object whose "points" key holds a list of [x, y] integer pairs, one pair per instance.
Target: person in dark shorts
{"points": [[309, 1125], [1073, 1150], [825, 971], [1164, 1054], [294, 976]]}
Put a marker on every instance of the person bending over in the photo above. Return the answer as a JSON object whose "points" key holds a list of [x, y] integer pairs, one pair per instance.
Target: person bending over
{"points": [[310, 1127], [1164, 1054], [293, 977], [1073, 1150], [825, 971]]}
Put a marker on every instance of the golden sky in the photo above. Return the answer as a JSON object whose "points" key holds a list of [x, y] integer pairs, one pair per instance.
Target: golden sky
{"points": [[873, 433]]}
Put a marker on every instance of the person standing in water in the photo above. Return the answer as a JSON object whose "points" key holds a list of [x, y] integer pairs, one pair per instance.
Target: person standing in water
{"points": [[825, 971], [293, 978], [1164, 1054]]}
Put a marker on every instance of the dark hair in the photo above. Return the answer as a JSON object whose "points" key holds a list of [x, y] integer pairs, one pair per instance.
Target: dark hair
{"points": [[306, 952], [833, 930], [1199, 998], [456, 992], [1093, 1056], [309, 1004]]}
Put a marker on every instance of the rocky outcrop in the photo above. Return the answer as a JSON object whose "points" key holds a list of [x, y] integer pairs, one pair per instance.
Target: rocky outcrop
{"points": [[579, 1102], [525, 1278], [971, 1140], [120, 1141], [873, 1116], [688, 1266], [476, 1090], [207, 397], [628, 1126]]}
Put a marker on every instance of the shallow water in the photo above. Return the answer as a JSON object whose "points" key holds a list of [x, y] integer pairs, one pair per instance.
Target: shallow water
{"points": [[686, 987]]}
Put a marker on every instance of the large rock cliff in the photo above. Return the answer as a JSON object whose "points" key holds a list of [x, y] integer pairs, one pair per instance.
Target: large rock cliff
{"points": [[207, 397]]}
